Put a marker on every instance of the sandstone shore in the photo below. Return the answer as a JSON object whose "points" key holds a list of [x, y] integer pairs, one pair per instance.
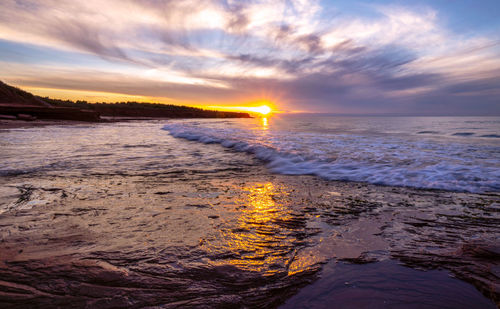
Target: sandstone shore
{"points": [[227, 238]]}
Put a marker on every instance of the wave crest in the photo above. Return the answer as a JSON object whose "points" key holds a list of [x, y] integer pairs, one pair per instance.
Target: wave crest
{"points": [[411, 172]]}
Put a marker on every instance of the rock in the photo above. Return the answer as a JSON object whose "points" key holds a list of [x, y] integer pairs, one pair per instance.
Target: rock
{"points": [[25, 117], [9, 117], [480, 250]]}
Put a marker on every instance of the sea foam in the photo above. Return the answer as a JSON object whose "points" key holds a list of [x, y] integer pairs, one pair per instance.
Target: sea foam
{"points": [[374, 160]]}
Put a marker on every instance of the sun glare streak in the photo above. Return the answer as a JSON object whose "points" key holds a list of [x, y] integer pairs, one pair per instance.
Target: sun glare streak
{"points": [[259, 241], [262, 110]]}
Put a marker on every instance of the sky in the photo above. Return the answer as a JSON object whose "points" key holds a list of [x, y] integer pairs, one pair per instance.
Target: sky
{"points": [[435, 57]]}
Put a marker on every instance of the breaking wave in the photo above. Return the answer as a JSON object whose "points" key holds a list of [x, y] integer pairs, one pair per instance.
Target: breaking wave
{"points": [[374, 160]]}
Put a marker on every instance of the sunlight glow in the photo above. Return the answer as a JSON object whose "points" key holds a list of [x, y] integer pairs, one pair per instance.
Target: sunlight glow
{"points": [[90, 96], [265, 123], [262, 110], [259, 235]]}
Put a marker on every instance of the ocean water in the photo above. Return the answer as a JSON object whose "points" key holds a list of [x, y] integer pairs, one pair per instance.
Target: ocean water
{"points": [[125, 148], [187, 210], [450, 153]]}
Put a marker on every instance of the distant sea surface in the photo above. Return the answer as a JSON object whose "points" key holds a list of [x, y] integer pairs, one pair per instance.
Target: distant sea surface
{"points": [[450, 153]]}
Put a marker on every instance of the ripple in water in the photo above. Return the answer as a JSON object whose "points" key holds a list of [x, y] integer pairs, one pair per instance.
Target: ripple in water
{"points": [[433, 159]]}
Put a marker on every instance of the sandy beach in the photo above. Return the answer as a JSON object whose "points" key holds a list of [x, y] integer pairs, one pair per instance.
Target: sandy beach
{"points": [[239, 236]]}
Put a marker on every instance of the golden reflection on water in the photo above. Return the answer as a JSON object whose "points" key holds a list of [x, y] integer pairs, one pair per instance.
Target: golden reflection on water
{"points": [[258, 242], [264, 123]]}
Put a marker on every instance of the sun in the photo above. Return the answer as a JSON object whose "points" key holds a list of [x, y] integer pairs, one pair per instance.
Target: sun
{"points": [[264, 109]]}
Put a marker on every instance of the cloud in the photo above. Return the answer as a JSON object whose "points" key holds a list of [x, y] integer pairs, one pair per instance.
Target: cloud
{"points": [[394, 59]]}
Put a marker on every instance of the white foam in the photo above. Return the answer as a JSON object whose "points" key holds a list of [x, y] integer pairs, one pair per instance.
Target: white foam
{"points": [[355, 158]]}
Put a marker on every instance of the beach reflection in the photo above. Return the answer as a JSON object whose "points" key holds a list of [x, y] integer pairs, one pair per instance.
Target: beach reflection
{"points": [[264, 235]]}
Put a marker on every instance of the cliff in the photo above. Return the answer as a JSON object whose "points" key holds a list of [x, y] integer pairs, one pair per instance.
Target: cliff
{"points": [[19, 104]]}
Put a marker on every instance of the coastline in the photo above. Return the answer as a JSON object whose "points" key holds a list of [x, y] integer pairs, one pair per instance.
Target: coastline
{"points": [[15, 124], [127, 233], [228, 234]]}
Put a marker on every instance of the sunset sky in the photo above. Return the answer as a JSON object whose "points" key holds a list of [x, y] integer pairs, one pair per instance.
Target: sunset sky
{"points": [[408, 57]]}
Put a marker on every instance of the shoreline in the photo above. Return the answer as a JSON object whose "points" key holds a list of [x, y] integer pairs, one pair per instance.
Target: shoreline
{"points": [[6, 124], [15, 124], [193, 225], [60, 226]]}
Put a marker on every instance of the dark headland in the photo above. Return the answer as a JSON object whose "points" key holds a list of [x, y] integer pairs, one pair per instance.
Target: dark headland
{"points": [[19, 105]]}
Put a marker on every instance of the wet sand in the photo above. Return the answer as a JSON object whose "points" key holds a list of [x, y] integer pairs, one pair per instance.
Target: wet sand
{"points": [[239, 238]]}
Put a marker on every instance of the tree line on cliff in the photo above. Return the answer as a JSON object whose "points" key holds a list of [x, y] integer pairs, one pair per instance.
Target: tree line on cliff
{"points": [[15, 101]]}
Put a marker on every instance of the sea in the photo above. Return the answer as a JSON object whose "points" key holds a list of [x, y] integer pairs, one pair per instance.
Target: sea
{"points": [[448, 153], [194, 212]]}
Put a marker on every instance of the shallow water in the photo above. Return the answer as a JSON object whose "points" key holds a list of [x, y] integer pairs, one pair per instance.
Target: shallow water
{"points": [[139, 148], [125, 214], [386, 285]]}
